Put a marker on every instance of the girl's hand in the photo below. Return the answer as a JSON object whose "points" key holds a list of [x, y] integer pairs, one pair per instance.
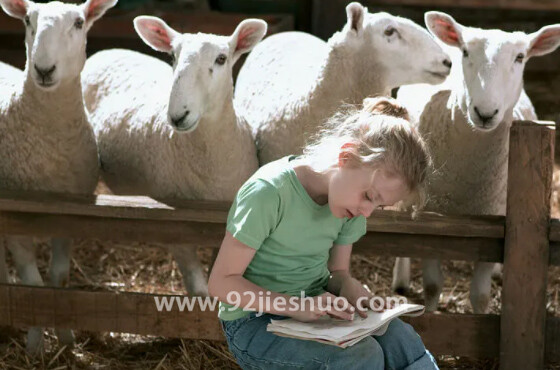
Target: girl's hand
{"points": [[323, 304], [353, 290]]}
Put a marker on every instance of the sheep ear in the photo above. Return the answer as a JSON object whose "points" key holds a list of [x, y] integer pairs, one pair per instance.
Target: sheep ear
{"points": [[544, 41], [445, 28], [247, 34], [355, 13], [94, 9], [15, 8], [155, 33]]}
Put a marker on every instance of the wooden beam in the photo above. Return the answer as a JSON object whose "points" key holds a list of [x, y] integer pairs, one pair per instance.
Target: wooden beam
{"points": [[468, 335], [141, 207], [430, 223], [25, 306], [526, 250], [137, 313], [429, 246], [210, 234], [206, 234]]}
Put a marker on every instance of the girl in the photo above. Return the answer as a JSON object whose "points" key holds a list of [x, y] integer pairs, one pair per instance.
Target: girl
{"points": [[289, 238]]}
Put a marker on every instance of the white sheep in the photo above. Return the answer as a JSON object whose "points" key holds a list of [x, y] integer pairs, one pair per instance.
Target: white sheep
{"points": [[466, 124], [291, 82], [46, 142], [173, 132]]}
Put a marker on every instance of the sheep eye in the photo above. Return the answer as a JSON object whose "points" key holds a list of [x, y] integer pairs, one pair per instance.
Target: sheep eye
{"points": [[389, 31], [79, 23], [465, 53], [221, 59], [519, 58], [27, 21]]}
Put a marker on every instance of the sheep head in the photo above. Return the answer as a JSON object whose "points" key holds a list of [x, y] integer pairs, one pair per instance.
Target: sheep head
{"points": [[492, 63]]}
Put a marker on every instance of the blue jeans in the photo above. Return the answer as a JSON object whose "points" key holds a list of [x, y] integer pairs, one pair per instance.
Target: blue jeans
{"points": [[255, 348]]}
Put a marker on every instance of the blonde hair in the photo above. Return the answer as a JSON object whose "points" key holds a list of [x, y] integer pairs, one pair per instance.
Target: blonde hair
{"points": [[382, 136]]}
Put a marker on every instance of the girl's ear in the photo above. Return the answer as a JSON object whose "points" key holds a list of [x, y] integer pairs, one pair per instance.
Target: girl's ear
{"points": [[345, 154]]}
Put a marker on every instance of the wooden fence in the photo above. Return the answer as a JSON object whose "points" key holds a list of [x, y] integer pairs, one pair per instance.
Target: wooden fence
{"points": [[526, 240]]}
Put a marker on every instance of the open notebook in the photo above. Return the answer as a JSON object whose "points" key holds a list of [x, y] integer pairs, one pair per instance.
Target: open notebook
{"points": [[342, 333]]}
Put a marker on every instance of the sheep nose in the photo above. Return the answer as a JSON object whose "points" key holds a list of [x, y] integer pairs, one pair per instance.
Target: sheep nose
{"points": [[178, 119], [45, 73], [447, 63], [485, 118]]}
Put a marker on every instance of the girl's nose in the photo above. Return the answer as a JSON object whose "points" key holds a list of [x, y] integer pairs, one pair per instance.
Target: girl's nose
{"points": [[366, 210]]}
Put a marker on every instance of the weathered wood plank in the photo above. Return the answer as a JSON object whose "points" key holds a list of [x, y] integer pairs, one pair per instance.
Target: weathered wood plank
{"points": [[141, 207], [435, 224], [451, 334], [429, 246], [103, 311], [210, 234], [469, 335], [204, 234], [526, 249]]}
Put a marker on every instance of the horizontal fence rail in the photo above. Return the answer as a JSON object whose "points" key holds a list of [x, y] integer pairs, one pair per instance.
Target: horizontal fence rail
{"points": [[139, 218], [26, 306]]}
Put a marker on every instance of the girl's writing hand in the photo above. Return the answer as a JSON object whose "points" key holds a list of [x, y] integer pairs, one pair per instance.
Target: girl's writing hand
{"points": [[353, 290], [324, 304]]}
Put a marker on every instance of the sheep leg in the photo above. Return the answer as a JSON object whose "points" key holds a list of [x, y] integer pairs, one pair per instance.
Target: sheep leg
{"points": [[59, 275], [433, 283], [3, 266], [481, 284], [23, 253], [191, 269], [401, 275]]}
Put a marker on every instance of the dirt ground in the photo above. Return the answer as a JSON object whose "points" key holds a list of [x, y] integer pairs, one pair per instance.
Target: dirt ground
{"points": [[145, 268]]}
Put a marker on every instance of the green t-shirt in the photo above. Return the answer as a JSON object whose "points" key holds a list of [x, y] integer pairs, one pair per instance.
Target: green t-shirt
{"points": [[274, 214]]}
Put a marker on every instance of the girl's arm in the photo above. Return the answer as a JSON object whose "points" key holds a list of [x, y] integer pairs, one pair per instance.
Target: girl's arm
{"points": [[341, 282], [227, 276], [339, 267]]}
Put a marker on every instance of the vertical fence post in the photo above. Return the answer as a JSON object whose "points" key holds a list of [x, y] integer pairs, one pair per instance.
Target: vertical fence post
{"points": [[523, 319]]}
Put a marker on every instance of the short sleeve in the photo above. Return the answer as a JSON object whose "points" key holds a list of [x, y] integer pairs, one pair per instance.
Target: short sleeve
{"points": [[352, 230], [254, 213]]}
